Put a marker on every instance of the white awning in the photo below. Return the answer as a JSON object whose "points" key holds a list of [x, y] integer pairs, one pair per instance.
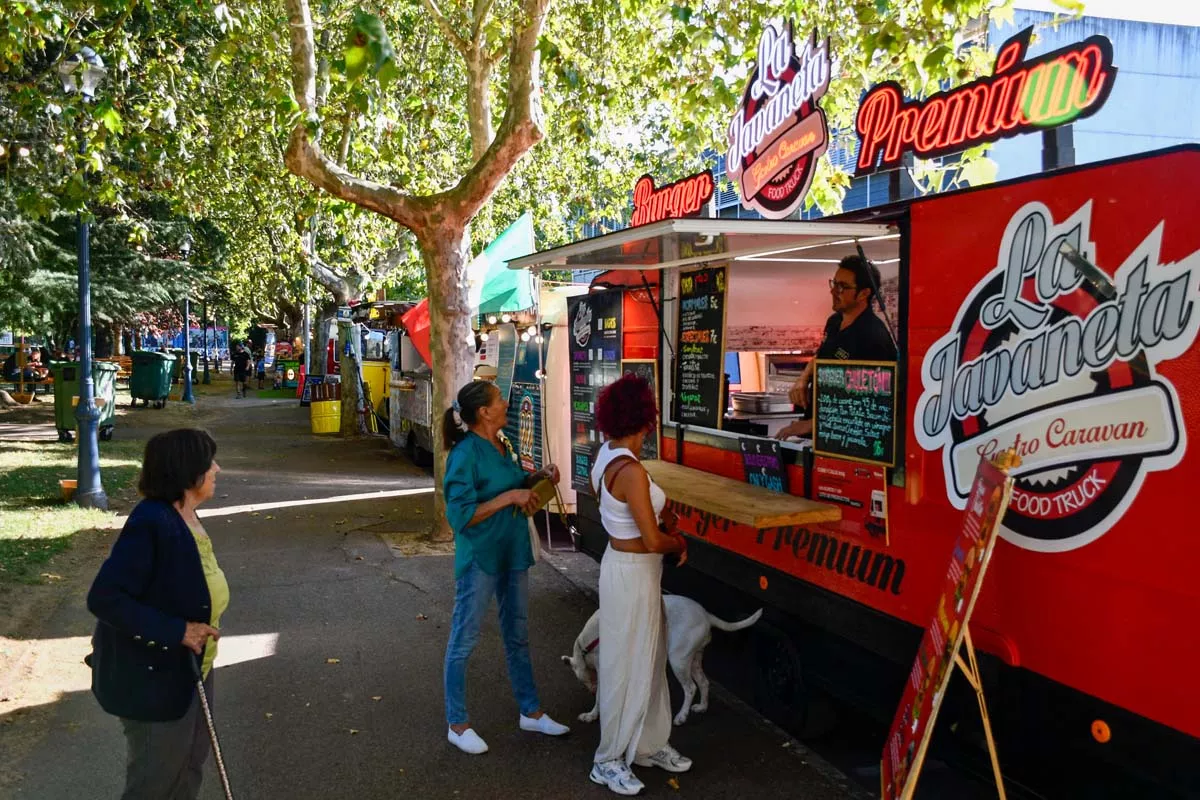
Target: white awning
{"points": [[681, 242]]}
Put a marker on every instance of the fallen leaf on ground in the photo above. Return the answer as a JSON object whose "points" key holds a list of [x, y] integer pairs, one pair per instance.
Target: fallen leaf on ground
{"points": [[50, 576], [422, 616], [333, 661], [340, 522], [224, 496], [673, 783], [377, 698], [353, 731], [268, 715], [254, 513], [358, 558], [786, 744], [270, 517]]}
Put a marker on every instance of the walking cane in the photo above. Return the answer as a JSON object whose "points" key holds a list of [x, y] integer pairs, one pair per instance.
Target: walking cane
{"points": [[212, 728]]}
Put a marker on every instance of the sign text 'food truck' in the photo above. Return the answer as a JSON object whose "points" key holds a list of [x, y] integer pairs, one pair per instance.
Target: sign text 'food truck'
{"points": [[778, 132], [1018, 97]]}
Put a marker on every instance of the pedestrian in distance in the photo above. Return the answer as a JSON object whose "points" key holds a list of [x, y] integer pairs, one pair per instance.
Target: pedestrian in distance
{"points": [[241, 369], [158, 599], [486, 506], [631, 692], [260, 368]]}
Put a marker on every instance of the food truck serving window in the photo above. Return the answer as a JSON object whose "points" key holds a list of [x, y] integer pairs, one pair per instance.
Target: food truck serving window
{"points": [[744, 328]]}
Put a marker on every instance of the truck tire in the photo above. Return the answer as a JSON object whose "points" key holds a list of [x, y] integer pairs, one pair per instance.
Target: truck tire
{"points": [[781, 690]]}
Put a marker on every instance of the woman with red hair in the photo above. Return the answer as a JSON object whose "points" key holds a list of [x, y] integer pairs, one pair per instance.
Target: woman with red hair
{"points": [[635, 711]]}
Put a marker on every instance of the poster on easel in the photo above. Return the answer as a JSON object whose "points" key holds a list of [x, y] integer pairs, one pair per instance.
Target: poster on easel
{"points": [[947, 638]]}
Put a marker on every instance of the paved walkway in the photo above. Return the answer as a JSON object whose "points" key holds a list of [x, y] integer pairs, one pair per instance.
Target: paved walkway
{"points": [[329, 683]]}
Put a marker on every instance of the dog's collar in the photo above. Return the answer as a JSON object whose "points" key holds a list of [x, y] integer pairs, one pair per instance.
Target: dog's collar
{"points": [[595, 643]]}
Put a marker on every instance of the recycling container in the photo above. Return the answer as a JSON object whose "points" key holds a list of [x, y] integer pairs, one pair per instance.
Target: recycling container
{"points": [[66, 388], [150, 380]]}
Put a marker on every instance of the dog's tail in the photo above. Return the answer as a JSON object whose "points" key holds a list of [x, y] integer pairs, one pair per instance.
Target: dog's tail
{"points": [[717, 622]]}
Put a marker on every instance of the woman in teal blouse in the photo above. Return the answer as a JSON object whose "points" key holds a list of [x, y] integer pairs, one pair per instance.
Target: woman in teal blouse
{"points": [[486, 505]]}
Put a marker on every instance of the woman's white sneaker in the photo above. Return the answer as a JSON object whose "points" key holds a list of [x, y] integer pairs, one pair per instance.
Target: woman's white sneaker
{"points": [[617, 777], [668, 758], [468, 741], [543, 724]]}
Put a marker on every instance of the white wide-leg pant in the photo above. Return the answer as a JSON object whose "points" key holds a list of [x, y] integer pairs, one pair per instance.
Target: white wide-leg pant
{"points": [[635, 706]]}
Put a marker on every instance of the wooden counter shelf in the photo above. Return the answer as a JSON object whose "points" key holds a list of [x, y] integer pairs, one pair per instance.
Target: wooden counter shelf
{"points": [[749, 505]]}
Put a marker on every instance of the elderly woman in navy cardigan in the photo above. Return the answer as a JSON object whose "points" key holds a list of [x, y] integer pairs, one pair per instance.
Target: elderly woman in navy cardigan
{"points": [[159, 599]]}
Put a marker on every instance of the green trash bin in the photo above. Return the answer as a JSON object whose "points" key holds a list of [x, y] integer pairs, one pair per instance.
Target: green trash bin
{"points": [[177, 369], [150, 380], [66, 389]]}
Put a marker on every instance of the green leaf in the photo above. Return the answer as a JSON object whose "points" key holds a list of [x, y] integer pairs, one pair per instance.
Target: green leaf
{"points": [[368, 32], [109, 118], [936, 56], [1003, 14], [979, 171], [881, 7], [356, 62]]}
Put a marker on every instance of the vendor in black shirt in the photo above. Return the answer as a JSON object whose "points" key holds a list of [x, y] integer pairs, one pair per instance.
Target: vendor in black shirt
{"points": [[853, 333]]}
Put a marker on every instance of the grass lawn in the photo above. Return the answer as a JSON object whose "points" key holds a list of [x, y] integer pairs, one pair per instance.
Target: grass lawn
{"points": [[35, 523]]}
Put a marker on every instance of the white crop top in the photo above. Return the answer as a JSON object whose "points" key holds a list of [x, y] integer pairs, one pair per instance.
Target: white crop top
{"points": [[618, 522]]}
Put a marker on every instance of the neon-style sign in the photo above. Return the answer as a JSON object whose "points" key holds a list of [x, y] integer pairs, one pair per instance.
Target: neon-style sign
{"points": [[1019, 96], [779, 131], [683, 198]]}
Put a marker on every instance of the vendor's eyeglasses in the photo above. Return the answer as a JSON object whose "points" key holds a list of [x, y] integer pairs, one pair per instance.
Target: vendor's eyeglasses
{"points": [[841, 287]]}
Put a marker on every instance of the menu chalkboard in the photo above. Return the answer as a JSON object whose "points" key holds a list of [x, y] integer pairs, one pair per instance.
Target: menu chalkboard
{"points": [[763, 462], [595, 344], [700, 376], [645, 368], [855, 411]]}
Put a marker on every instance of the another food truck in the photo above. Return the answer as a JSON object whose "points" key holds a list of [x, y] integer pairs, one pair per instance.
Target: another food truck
{"points": [[1054, 314]]}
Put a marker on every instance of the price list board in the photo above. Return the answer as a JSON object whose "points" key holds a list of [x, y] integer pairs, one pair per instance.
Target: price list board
{"points": [[855, 411], [595, 330], [700, 363], [647, 369]]}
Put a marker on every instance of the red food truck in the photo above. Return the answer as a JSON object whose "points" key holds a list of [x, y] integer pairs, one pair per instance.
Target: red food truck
{"points": [[1054, 314]]}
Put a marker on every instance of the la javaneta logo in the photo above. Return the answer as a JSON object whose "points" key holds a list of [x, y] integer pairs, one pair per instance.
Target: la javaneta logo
{"points": [[1062, 369], [779, 131], [581, 328]]}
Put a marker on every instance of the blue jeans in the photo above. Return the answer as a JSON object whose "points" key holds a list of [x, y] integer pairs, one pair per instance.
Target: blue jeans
{"points": [[473, 595]]}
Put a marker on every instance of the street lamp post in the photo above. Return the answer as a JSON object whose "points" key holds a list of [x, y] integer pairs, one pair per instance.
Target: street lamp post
{"points": [[204, 321], [186, 249], [89, 489]]}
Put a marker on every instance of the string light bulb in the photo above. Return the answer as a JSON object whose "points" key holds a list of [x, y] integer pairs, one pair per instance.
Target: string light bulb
{"points": [[532, 330], [23, 152], [506, 318], [58, 148], [483, 337], [2, 150], [491, 319], [525, 337]]}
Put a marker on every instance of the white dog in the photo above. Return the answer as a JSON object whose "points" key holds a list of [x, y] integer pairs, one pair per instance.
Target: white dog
{"points": [[689, 630]]}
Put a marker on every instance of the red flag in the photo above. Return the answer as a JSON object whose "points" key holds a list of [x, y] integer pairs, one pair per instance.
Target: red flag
{"points": [[416, 322]]}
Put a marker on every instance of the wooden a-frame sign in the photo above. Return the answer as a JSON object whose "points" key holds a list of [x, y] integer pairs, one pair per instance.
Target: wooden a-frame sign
{"points": [[947, 637]]}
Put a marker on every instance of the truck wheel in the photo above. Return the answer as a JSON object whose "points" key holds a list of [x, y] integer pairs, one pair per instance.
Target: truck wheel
{"points": [[782, 691], [424, 458]]}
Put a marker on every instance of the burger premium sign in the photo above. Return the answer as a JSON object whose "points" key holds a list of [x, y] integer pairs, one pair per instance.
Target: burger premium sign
{"points": [[1062, 369], [779, 131]]}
